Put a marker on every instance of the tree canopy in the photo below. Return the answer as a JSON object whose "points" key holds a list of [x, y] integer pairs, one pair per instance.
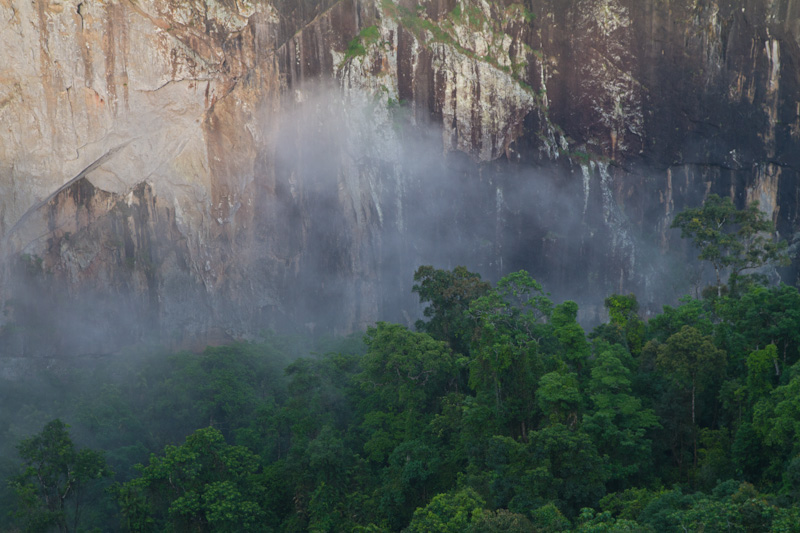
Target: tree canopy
{"points": [[53, 487], [731, 239], [498, 414]]}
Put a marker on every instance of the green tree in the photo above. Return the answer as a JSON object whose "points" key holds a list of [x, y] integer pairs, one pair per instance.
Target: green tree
{"points": [[203, 485], [572, 339], [559, 397], [761, 371], [318, 394], [566, 469], [748, 453], [404, 377], [763, 316], [511, 330], [591, 522], [730, 238], [326, 458], [406, 370], [447, 513], [412, 475], [549, 519], [504, 521], [618, 422], [624, 325], [320, 483], [733, 507], [53, 489], [690, 359], [776, 420], [222, 387], [448, 294], [691, 312]]}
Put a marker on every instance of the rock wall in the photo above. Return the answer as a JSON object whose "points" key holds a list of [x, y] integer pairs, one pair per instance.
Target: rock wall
{"points": [[200, 170]]}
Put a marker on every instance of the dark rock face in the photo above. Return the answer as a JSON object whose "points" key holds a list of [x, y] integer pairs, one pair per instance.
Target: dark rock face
{"points": [[668, 100], [315, 153]]}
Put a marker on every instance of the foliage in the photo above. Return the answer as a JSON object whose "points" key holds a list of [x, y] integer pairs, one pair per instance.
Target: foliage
{"points": [[690, 359], [52, 489], [447, 513], [574, 346], [511, 332], [624, 326], [498, 414], [569, 470], [730, 238], [618, 422], [503, 520], [357, 46], [203, 485], [449, 294], [405, 369]]}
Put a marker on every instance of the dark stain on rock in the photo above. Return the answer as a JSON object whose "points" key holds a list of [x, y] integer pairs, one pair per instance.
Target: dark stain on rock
{"points": [[405, 59]]}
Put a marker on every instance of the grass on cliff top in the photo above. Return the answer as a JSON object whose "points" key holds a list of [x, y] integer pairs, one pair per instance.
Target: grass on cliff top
{"points": [[519, 9], [358, 45]]}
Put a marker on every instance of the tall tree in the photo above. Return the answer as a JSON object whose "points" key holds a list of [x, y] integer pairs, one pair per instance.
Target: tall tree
{"points": [[775, 419], [763, 316], [566, 469], [511, 327], [52, 490], [406, 370], [618, 422], [559, 397], [448, 294], [572, 339], [447, 513], [404, 376], [203, 485], [624, 326], [689, 360], [730, 238]]}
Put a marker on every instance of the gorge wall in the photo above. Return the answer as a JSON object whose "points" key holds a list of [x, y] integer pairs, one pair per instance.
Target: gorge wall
{"points": [[201, 170]]}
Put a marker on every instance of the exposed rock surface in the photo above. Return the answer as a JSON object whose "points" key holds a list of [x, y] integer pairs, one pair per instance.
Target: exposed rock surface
{"points": [[203, 169]]}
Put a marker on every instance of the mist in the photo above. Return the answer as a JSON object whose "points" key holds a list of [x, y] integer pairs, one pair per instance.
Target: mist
{"points": [[353, 190], [387, 197]]}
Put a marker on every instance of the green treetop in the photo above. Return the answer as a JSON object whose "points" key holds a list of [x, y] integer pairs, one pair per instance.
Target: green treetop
{"points": [[203, 485], [730, 238], [448, 294], [52, 490]]}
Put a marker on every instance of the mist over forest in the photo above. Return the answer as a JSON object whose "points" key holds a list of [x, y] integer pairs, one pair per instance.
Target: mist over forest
{"points": [[419, 266]]}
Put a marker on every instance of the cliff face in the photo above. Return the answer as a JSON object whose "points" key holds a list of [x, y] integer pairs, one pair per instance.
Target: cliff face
{"points": [[203, 169]]}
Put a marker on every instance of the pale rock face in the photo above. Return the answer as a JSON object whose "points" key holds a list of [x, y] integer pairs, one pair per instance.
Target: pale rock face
{"points": [[124, 93], [480, 104], [96, 81]]}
